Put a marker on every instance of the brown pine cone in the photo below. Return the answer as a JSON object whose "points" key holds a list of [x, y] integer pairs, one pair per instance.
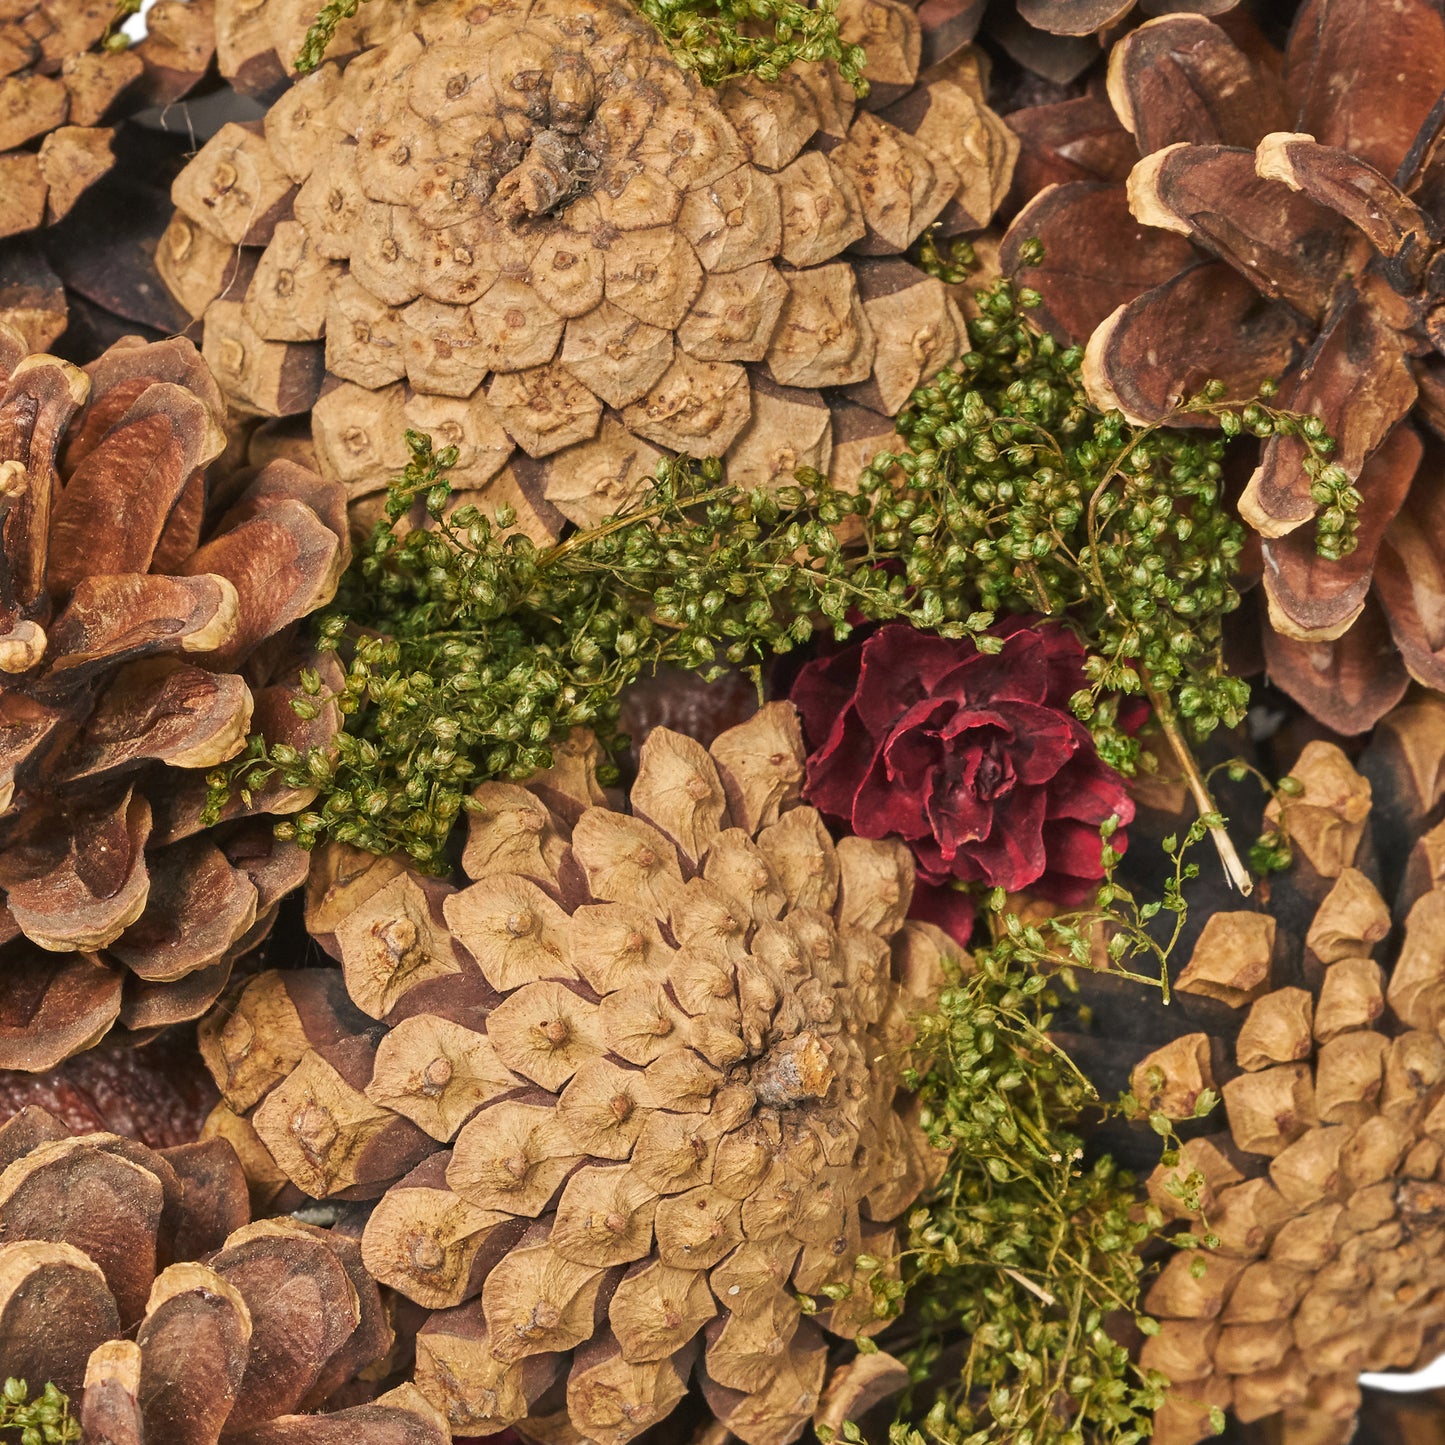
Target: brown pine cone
{"points": [[542, 241], [1320, 1017], [160, 1094], [1260, 236], [146, 621], [58, 84], [102, 1292], [620, 1100]]}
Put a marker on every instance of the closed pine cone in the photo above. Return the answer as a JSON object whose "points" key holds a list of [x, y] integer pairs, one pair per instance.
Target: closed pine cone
{"points": [[102, 1292], [146, 620], [631, 1091], [1327, 1192], [528, 232], [58, 84]]}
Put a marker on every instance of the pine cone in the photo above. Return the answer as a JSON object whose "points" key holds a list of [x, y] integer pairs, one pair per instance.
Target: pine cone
{"points": [[543, 234], [1058, 41], [1320, 1021], [1240, 249], [103, 1292], [145, 622], [58, 84], [160, 1095], [620, 1100]]}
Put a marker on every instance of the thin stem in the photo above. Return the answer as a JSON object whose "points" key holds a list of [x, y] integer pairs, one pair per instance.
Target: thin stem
{"points": [[1233, 864]]}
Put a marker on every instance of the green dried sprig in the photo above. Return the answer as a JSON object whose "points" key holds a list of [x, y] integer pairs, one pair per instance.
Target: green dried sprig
{"points": [[322, 32], [468, 649], [1018, 495], [114, 37], [43, 1421], [1026, 1248], [715, 39], [720, 39]]}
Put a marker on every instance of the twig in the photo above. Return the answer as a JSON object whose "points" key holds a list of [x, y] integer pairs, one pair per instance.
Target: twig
{"points": [[1028, 1284], [1233, 864]]}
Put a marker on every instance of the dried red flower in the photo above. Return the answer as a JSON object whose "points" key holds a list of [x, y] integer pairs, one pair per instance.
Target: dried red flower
{"points": [[973, 759]]}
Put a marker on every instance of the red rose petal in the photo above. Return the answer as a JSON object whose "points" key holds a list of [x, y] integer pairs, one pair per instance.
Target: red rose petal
{"points": [[973, 759]]}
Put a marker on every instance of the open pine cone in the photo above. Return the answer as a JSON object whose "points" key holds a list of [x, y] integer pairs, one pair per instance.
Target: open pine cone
{"points": [[160, 1094], [528, 228], [131, 1278], [58, 85], [146, 621], [1321, 1021], [620, 1100], [1261, 236]]}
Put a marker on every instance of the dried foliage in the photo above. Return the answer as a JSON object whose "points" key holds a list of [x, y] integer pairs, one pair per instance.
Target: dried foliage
{"points": [[628, 1102], [63, 76], [469, 649], [1032, 1245], [718, 40], [1287, 1253], [43, 1421], [722, 40], [147, 622], [1024, 1247], [577, 259], [102, 1293], [1278, 224]]}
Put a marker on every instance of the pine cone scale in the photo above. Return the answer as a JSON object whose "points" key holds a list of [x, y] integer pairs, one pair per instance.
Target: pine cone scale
{"points": [[594, 233], [279, 1318], [133, 602], [619, 1142]]}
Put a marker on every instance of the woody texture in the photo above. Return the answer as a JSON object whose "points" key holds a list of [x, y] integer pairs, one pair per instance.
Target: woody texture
{"points": [[1239, 212], [133, 1280], [147, 623], [620, 1099], [61, 86], [531, 234], [1325, 1185]]}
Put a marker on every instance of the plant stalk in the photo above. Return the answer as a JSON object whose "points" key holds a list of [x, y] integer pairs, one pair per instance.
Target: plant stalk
{"points": [[1229, 858]]}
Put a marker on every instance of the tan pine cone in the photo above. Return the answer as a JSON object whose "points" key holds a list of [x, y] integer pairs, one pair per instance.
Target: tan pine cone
{"points": [[58, 86], [1327, 1189], [147, 617], [528, 232], [620, 1100], [103, 1293]]}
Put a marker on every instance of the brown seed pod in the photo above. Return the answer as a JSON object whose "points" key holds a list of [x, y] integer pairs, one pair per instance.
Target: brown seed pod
{"points": [[1291, 194], [1327, 1193], [101, 1291], [58, 85]]}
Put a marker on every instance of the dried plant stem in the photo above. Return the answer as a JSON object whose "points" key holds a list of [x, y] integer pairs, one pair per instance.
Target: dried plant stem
{"points": [[1233, 864], [1036, 1290]]}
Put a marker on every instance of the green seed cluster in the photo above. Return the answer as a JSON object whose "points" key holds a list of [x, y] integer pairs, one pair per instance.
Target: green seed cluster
{"points": [[468, 649], [44, 1421], [715, 39], [1018, 496], [720, 39], [1025, 1249], [322, 31]]}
